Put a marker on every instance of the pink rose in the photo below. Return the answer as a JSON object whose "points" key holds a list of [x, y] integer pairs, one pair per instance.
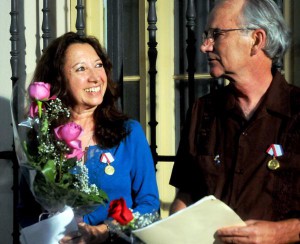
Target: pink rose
{"points": [[78, 153], [33, 110], [39, 91], [70, 133]]}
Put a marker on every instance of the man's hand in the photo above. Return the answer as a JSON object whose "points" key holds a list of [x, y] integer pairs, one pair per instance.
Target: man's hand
{"points": [[262, 232]]}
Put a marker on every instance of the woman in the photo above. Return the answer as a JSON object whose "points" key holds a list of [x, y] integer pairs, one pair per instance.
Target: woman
{"points": [[116, 151]]}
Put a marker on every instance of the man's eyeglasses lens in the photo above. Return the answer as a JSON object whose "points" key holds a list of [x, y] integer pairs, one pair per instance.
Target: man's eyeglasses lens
{"points": [[213, 33]]}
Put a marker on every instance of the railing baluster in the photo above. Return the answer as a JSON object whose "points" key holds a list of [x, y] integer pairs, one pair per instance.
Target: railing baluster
{"points": [[14, 78], [80, 18], [45, 24], [14, 41], [152, 54], [191, 48]]}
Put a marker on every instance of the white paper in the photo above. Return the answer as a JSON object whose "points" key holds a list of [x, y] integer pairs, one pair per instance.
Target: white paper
{"points": [[197, 223], [50, 231]]}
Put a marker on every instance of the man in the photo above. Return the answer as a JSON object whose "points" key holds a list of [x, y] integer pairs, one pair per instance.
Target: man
{"points": [[242, 142]]}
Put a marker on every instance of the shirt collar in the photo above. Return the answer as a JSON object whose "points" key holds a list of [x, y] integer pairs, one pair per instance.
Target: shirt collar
{"points": [[276, 98]]}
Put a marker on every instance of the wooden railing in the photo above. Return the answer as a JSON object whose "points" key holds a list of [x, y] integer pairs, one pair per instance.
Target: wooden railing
{"points": [[118, 66]]}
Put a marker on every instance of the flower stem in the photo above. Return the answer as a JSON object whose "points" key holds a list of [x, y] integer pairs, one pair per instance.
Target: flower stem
{"points": [[60, 170], [39, 103]]}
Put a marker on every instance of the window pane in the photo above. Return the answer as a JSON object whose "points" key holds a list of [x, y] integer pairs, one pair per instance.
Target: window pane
{"points": [[131, 37], [132, 99]]}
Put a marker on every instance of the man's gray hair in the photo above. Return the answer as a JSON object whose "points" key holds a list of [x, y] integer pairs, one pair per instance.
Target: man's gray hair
{"points": [[266, 15]]}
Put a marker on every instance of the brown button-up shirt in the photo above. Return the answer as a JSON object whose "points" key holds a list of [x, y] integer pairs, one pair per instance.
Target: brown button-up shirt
{"points": [[223, 154]]}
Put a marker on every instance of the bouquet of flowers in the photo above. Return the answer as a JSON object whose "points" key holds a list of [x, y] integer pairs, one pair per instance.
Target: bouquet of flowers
{"points": [[52, 153], [125, 220]]}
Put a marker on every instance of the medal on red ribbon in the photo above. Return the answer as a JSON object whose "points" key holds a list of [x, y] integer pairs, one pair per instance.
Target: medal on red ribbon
{"points": [[275, 150], [108, 158]]}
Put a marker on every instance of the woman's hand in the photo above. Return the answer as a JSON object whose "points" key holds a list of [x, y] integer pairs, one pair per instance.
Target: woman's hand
{"points": [[86, 234]]}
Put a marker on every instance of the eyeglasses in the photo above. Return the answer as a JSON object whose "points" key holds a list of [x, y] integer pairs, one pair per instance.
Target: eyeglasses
{"points": [[213, 33]]}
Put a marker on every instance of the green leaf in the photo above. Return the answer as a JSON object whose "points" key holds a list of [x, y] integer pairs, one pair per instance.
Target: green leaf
{"points": [[49, 170], [66, 181]]}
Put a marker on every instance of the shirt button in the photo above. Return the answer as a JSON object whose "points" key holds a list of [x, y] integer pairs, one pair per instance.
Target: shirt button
{"points": [[239, 171]]}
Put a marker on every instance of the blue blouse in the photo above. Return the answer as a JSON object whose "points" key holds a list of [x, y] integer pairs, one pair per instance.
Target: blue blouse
{"points": [[134, 178]]}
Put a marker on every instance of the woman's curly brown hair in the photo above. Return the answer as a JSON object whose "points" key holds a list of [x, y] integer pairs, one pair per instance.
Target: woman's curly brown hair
{"points": [[109, 121]]}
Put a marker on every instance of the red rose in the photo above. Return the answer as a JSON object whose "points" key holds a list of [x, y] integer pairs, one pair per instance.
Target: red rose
{"points": [[119, 211]]}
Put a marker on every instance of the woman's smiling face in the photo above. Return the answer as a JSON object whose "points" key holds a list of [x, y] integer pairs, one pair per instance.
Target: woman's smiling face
{"points": [[85, 76]]}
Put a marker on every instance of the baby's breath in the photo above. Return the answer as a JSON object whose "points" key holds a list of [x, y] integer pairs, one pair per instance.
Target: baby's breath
{"points": [[68, 178], [139, 221], [143, 220], [56, 109]]}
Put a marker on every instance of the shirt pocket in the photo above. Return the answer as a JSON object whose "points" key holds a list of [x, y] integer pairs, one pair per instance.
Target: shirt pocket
{"points": [[285, 184], [211, 168]]}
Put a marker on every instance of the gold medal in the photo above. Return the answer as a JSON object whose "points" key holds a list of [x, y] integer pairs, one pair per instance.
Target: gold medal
{"points": [[109, 170], [273, 164], [108, 159]]}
